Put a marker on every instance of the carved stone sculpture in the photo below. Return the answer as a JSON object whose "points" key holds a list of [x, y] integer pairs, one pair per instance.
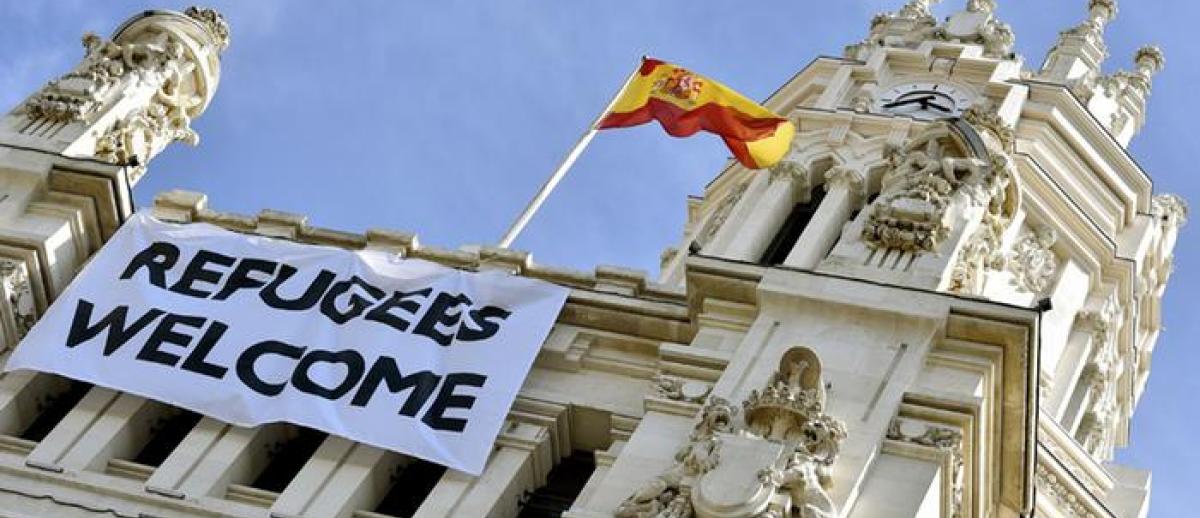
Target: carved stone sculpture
{"points": [[1032, 262], [910, 212], [776, 465]]}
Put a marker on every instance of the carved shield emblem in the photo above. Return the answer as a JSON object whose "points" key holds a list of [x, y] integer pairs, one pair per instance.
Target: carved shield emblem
{"points": [[733, 488]]}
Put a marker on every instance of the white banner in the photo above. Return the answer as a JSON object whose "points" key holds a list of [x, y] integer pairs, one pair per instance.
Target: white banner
{"points": [[403, 354]]}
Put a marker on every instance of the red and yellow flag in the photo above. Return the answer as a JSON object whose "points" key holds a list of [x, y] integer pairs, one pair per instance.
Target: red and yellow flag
{"points": [[684, 103]]}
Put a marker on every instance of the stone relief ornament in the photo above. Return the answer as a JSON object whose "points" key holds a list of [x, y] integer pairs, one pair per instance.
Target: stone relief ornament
{"points": [[146, 131], [1032, 262], [917, 187], [1068, 502], [1099, 379], [677, 389], [721, 213], [669, 494], [78, 94], [776, 464], [981, 253], [14, 279]]}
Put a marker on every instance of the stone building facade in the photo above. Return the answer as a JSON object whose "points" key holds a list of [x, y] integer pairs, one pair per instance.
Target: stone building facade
{"points": [[942, 303]]}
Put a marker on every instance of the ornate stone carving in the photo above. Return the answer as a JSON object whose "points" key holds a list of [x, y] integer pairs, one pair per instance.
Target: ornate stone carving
{"points": [[1170, 209], [790, 170], [1068, 501], [847, 177], [1099, 376], [777, 465], [14, 279], [917, 10], [146, 131], [681, 390], [916, 189], [981, 253], [78, 94], [984, 116], [669, 495], [1032, 262], [721, 213], [1148, 61], [1100, 13], [213, 22], [948, 440]]}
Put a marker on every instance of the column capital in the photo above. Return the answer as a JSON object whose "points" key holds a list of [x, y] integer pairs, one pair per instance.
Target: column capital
{"points": [[848, 178]]}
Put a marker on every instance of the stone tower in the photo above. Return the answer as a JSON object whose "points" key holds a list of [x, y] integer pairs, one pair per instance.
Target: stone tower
{"points": [[938, 197], [942, 303]]}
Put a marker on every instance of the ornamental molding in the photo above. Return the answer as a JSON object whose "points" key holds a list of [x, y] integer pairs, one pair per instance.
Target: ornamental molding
{"points": [[945, 439], [775, 463], [1069, 502]]}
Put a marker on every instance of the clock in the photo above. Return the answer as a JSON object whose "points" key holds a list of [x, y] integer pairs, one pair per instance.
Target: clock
{"points": [[924, 100]]}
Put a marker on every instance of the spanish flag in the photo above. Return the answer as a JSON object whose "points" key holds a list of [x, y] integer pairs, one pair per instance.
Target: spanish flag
{"points": [[684, 103]]}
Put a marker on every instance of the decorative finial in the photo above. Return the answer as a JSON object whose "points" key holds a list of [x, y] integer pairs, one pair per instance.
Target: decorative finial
{"points": [[213, 22], [1149, 61], [1101, 12], [981, 6]]}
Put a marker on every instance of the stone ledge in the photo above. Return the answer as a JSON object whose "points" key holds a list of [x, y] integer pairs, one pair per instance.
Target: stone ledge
{"points": [[181, 206]]}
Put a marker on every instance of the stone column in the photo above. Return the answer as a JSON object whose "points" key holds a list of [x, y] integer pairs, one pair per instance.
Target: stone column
{"points": [[512, 469], [341, 477], [846, 188], [757, 218]]}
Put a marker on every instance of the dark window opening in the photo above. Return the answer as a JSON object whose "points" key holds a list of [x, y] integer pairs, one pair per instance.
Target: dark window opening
{"points": [[165, 436], [563, 485], [54, 410], [289, 458], [410, 486], [802, 213]]}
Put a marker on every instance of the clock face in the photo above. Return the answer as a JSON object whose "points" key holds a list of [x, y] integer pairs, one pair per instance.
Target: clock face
{"points": [[924, 100]]}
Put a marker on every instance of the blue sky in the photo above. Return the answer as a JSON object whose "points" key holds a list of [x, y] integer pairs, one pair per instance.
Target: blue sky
{"points": [[443, 118]]}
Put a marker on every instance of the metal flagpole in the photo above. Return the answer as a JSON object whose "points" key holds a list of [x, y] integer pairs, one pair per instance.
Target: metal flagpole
{"points": [[562, 169]]}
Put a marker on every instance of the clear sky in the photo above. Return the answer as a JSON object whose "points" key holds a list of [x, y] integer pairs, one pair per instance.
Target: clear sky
{"points": [[443, 118]]}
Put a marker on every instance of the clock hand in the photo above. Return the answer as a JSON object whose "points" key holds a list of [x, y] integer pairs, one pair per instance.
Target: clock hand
{"points": [[901, 102], [935, 106]]}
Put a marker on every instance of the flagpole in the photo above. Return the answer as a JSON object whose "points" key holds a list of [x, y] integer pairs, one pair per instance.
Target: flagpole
{"points": [[519, 224]]}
